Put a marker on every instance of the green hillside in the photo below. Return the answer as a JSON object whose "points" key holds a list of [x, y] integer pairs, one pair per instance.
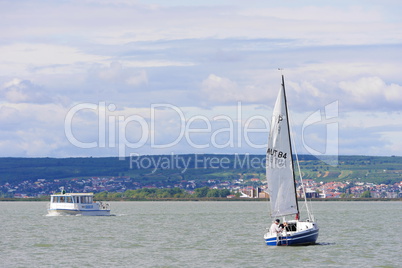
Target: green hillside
{"points": [[373, 169], [160, 168]]}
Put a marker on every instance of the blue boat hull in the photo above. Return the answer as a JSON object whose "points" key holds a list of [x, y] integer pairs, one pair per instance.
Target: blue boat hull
{"points": [[307, 237]]}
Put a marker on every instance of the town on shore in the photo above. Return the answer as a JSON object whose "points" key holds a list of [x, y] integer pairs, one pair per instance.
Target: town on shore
{"points": [[239, 188]]}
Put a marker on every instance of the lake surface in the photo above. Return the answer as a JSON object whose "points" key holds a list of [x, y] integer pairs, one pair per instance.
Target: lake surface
{"points": [[197, 234]]}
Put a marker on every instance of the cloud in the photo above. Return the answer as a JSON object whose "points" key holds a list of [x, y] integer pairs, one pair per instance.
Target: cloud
{"points": [[137, 79], [201, 56], [373, 142], [45, 59], [117, 74], [23, 91], [222, 90], [365, 89], [348, 14], [96, 22], [372, 92], [313, 85], [31, 129]]}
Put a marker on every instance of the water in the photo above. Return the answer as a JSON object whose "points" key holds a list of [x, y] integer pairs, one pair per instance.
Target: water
{"points": [[196, 234]]}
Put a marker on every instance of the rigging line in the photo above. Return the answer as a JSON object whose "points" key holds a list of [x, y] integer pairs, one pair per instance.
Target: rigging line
{"points": [[298, 168]]}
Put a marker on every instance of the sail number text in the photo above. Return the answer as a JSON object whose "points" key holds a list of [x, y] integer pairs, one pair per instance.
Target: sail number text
{"points": [[276, 153]]}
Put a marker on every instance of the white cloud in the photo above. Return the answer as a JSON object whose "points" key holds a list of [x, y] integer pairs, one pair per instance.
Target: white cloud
{"points": [[109, 83], [31, 129], [322, 14], [111, 73], [393, 93], [216, 88], [208, 54], [222, 90], [45, 59], [121, 23], [372, 90], [156, 63], [17, 91], [365, 89], [137, 79], [45, 54]]}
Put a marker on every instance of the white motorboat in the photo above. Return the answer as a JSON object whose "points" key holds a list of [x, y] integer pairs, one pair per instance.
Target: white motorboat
{"points": [[77, 204]]}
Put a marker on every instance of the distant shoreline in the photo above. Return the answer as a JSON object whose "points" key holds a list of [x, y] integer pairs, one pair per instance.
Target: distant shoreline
{"points": [[207, 199]]}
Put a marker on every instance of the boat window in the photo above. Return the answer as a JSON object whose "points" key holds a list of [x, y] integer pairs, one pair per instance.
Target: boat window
{"points": [[77, 199], [62, 199], [85, 199], [291, 227], [69, 199]]}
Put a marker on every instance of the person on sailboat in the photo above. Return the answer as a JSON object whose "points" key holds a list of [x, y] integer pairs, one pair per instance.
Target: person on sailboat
{"points": [[275, 227]]}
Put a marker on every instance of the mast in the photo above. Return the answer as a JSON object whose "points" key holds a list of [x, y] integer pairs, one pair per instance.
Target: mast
{"points": [[290, 143]]}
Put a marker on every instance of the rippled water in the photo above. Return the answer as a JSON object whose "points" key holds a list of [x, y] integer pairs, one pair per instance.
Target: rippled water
{"points": [[197, 234]]}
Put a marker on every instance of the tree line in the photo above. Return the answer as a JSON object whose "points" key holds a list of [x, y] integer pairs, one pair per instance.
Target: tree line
{"points": [[164, 193]]}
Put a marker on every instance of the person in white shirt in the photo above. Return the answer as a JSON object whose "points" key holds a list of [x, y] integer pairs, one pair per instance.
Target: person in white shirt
{"points": [[275, 228]]}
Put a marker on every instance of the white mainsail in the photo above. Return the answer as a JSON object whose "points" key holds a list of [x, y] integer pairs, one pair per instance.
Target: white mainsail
{"points": [[279, 171]]}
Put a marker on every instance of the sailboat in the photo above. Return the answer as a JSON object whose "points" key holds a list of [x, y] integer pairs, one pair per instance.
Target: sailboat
{"points": [[282, 184]]}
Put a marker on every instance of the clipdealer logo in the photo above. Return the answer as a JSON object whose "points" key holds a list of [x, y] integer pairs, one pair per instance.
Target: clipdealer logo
{"points": [[196, 161], [113, 130], [238, 131]]}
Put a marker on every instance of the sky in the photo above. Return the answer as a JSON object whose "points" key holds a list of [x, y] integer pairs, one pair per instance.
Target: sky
{"points": [[82, 78]]}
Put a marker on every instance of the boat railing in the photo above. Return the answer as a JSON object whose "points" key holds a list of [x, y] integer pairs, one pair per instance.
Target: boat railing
{"points": [[282, 238], [103, 205]]}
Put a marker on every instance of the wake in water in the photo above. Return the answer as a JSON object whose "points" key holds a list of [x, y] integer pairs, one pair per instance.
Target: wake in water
{"points": [[324, 244], [76, 215]]}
